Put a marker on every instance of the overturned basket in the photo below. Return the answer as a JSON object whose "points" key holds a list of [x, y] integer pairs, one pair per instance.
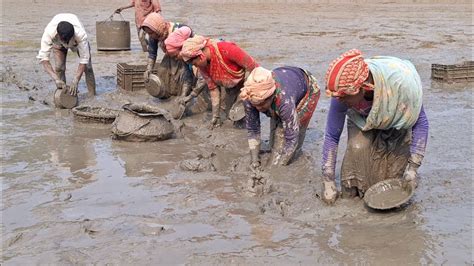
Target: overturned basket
{"points": [[138, 122], [94, 114]]}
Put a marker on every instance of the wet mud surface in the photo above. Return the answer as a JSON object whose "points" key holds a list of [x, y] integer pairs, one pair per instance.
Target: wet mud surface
{"points": [[72, 195]]}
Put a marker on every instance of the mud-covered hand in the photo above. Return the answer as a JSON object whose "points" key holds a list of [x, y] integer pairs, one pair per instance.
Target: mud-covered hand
{"points": [[146, 75], [329, 192], [276, 158], [60, 84], [256, 166], [411, 175], [185, 99], [255, 159], [149, 68], [216, 117], [285, 159], [73, 88], [215, 122]]}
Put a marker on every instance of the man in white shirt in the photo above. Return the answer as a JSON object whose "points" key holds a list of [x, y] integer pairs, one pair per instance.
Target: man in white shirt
{"points": [[64, 32]]}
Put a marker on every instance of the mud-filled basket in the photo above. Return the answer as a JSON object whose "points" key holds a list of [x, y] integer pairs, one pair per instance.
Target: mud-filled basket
{"points": [[85, 113], [388, 194], [140, 122]]}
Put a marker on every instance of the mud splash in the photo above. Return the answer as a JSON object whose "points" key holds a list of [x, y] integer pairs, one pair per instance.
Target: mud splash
{"points": [[71, 195]]}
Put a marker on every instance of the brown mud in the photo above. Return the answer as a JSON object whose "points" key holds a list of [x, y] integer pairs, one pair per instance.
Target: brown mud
{"points": [[72, 195]]}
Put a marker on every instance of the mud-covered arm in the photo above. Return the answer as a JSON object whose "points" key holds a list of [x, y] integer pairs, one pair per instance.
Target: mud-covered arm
{"points": [[84, 55], [188, 78], [291, 129], [215, 94], [81, 68], [334, 127], [49, 69], [200, 85], [419, 138], [252, 123]]}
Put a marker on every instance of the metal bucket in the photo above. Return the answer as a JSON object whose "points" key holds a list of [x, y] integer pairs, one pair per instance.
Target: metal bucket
{"points": [[113, 35]]}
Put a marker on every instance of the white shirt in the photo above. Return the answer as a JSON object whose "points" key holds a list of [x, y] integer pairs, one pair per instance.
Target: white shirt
{"points": [[77, 43]]}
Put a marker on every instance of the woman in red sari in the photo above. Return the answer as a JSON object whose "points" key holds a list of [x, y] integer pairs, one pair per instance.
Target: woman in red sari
{"points": [[223, 65]]}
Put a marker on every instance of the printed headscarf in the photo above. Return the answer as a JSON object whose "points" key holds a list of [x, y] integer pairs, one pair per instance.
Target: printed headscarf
{"points": [[157, 23], [192, 47], [175, 40], [259, 86], [346, 74]]}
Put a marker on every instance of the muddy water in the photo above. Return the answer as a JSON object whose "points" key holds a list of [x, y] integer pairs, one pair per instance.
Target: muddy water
{"points": [[72, 195]]}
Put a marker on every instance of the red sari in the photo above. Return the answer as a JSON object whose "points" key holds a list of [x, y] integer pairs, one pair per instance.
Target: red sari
{"points": [[227, 65]]}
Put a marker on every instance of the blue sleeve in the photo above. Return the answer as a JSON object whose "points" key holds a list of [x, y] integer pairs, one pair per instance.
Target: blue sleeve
{"points": [[152, 48], [334, 127], [252, 120], [420, 134], [289, 119]]}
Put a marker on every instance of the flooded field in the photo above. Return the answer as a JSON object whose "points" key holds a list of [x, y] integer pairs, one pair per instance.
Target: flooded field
{"points": [[72, 195]]}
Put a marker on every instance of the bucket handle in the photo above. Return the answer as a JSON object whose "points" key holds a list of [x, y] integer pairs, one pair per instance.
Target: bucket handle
{"points": [[111, 17]]}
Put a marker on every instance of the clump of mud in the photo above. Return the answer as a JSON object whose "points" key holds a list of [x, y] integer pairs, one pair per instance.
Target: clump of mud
{"points": [[258, 184], [276, 206], [202, 163], [9, 76]]}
